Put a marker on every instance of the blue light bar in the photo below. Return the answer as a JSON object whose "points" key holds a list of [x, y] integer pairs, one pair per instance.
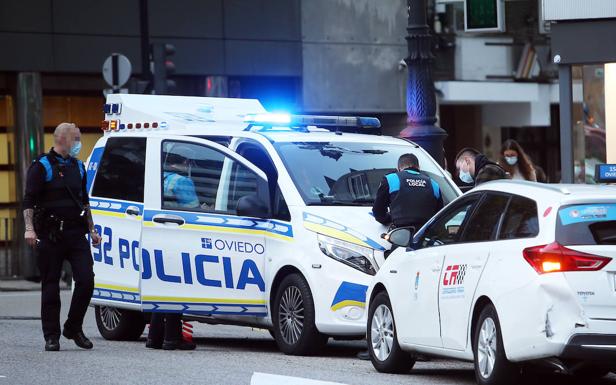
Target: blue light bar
{"points": [[269, 120]]}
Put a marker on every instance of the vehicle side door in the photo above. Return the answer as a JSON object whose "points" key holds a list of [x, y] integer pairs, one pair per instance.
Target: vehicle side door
{"points": [[463, 267], [418, 282], [204, 257], [116, 202]]}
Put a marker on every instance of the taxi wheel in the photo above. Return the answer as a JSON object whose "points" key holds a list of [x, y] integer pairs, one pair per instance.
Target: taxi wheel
{"points": [[491, 364], [119, 324], [293, 318], [385, 353]]}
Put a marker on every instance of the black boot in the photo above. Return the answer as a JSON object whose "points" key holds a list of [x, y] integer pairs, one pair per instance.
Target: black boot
{"points": [[80, 339], [178, 345], [52, 344]]}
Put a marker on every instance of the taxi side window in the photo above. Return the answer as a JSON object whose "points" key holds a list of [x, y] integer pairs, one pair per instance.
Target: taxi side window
{"points": [[447, 227], [483, 225], [121, 171], [521, 219]]}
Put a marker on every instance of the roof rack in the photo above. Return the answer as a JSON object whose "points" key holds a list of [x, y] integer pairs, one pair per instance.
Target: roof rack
{"points": [[267, 122]]}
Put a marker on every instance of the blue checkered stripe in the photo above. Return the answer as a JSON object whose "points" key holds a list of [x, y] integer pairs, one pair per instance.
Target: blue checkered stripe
{"points": [[116, 295], [205, 308]]}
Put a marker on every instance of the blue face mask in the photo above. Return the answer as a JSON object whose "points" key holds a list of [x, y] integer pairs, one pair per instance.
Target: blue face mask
{"points": [[511, 160], [75, 148], [466, 177]]}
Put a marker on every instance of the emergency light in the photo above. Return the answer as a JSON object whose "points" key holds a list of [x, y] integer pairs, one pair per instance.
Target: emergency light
{"points": [[267, 121]]}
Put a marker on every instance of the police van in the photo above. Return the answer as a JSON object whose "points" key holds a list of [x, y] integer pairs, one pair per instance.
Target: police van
{"points": [[228, 214]]}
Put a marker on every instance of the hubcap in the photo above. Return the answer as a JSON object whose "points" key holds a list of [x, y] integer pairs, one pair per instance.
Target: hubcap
{"points": [[382, 332], [291, 315], [486, 347], [110, 317]]}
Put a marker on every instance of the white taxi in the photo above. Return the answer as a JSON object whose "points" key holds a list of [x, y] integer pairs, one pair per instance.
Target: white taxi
{"points": [[510, 272], [213, 208]]}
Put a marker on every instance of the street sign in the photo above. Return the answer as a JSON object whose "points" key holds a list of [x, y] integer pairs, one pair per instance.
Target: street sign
{"points": [[605, 173], [116, 70], [484, 15]]}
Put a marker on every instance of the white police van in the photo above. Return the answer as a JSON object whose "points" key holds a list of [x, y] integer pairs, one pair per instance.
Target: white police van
{"points": [[280, 235]]}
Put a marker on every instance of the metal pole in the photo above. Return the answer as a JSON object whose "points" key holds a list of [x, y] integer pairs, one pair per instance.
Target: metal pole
{"points": [[420, 93], [6, 247], [566, 123], [145, 40], [28, 145]]}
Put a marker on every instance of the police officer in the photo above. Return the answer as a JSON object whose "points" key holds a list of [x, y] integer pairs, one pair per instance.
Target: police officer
{"points": [[178, 191], [407, 197], [57, 219]]}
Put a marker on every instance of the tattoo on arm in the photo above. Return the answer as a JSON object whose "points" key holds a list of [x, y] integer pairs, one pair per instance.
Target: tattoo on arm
{"points": [[90, 220], [29, 219]]}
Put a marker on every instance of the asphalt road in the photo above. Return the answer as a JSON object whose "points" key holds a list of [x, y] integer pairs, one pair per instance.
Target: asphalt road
{"points": [[224, 355]]}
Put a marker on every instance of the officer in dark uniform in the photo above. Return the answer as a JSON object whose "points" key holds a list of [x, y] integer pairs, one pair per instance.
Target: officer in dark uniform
{"points": [[407, 197], [57, 218]]}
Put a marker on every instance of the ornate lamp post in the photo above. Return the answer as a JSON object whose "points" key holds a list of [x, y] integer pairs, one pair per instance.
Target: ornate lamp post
{"points": [[420, 94]]}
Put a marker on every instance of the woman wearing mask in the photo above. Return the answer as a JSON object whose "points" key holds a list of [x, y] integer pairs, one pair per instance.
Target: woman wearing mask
{"points": [[515, 161]]}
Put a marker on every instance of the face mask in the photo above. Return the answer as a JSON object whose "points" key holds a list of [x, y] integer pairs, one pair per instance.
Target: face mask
{"points": [[466, 177], [75, 148], [511, 160]]}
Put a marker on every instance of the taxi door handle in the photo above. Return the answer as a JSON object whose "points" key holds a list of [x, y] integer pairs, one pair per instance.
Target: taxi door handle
{"points": [[169, 219], [132, 211]]}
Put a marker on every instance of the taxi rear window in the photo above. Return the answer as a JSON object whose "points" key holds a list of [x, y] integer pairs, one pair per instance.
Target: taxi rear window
{"points": [[587, 224]]}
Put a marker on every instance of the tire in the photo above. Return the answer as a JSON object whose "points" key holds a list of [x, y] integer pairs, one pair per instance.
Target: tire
{"points": [[385, 353], [293, 318], [491, 364], [118, 324]]}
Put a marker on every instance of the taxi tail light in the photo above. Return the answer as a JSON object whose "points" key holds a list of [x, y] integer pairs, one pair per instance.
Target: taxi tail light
{"points": [[557, 258]]}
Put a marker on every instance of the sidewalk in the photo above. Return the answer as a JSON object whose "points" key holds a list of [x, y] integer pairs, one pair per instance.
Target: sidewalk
{"points": [[10, 284]]}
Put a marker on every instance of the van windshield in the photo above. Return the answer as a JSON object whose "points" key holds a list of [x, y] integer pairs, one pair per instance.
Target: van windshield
{"points": [[347, 173], [589, 224]]}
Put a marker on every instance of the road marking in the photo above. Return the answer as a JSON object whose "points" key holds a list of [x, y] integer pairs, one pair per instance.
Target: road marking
{"points": [[2, 376], [274, 379]]}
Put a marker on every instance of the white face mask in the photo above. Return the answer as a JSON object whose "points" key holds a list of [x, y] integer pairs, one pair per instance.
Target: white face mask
{"points": [[75, 148], [466, 177], [511, 160]]}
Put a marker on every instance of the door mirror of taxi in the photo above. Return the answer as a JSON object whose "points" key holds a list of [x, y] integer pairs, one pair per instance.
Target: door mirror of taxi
{"points": [[252, 206], [400, 237]]}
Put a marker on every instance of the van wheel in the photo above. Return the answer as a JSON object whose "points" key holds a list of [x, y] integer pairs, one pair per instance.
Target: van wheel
{"points": [[293, 318], [491, 364], [385, 353], [119, 324]]}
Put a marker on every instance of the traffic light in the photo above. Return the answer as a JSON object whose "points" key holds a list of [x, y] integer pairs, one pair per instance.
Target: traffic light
{"points": [[163, 67]]}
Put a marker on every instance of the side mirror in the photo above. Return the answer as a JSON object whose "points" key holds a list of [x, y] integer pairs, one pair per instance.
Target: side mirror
{"points": [[401, 236], [252, 206]]}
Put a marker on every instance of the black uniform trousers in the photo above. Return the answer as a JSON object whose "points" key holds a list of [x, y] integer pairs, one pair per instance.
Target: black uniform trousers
{"points": [[75, 248], [167, 326]]}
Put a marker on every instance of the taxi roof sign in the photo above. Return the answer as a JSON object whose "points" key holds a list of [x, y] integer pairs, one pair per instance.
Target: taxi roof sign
{"points": [[605, 173]]}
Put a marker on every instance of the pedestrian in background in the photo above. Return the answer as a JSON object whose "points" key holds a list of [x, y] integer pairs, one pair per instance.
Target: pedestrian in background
{"points": [[57, 218], [474, 168], [515, 161]]}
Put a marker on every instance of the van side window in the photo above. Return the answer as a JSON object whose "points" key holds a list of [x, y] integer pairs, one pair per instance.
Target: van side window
{"points": [[257, 155], [521, 220], [121, 171], [199, 178]]}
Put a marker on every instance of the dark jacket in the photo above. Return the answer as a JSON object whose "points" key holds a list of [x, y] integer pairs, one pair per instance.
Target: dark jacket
{"points": [[486, 170]]}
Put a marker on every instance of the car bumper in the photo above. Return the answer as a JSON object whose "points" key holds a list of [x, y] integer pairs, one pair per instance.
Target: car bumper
{"points": [[597, 348]]}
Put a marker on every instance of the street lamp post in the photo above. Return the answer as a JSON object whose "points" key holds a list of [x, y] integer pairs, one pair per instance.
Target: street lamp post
{"points": [[420, 94]]}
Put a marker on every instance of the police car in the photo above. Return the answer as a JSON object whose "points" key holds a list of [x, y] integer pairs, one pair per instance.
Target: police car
{"points": [[509, 273], [271, 227]]}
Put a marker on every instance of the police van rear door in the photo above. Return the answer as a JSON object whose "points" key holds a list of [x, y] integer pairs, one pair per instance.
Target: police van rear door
{"points": [[199, 256]]}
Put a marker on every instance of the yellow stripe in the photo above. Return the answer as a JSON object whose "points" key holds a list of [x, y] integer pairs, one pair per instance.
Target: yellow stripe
{"points": [[232, 230], [204, 300], [346, 303], [334, 233], [116, 287], [113, 214]]}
